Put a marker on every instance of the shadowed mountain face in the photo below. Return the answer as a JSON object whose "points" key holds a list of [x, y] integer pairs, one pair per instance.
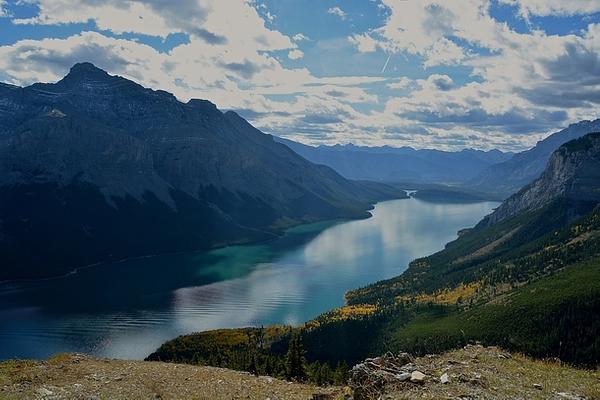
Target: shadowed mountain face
{"points": [[509, 176], [96, 167], [404, 164]]}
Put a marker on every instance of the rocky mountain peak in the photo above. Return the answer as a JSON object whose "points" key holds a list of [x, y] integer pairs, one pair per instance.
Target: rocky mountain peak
{"points": [[83, 77], [573, 171], [86, 70]]}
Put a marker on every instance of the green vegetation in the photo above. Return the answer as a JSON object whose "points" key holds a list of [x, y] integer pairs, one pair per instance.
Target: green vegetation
{"points": [[275, 351], [295, 363], [582, 143], [530, 284]]}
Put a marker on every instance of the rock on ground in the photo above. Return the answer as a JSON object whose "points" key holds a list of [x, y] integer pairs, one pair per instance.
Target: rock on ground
{"points": [[474, 372]]}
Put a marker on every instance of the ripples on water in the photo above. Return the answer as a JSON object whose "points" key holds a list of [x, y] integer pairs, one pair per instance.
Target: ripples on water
{"points": [[127, 309]]}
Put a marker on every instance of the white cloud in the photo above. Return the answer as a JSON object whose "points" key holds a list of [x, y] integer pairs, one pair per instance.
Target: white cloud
{"points": [[269, 16], [337, 11], [153, 18], [295, 54], [554, 7], [234, 23], [400, 83], [298, 37], [524, 83], [365, 43]]}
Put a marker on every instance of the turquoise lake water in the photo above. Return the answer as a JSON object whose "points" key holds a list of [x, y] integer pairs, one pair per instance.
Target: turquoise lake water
{"points": [[127, 309]]}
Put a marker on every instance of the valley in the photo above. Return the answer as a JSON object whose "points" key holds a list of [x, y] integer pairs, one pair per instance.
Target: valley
{"points": [[326, 200], [524, 278], [127, 309]]}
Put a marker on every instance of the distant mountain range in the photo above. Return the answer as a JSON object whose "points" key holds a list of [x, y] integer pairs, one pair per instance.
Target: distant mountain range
{"points": [[400, 165], [96, 168], [507, 177], [469, 173]]}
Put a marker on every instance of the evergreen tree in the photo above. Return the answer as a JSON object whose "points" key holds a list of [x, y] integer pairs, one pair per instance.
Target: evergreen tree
{"points": [[340, 375], [295, 363], [326, 374]]}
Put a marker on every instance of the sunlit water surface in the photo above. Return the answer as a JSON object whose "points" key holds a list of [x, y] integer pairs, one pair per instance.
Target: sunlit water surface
{"points": [[127, 309]]}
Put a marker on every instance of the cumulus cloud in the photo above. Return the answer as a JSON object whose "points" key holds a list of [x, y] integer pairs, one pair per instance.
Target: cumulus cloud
{"points": [[298, 37], [441, 82], [29, 61], [295, 54], [400, 83], [554, 7], [527, 82], [337, 11], [230, 23], [517, 85]]}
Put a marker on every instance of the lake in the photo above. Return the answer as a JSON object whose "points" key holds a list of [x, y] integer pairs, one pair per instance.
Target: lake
{"points": [[127, 309]]}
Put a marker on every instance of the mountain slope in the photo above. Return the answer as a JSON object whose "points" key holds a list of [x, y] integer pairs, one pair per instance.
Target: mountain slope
{"points": [[527, 279], [405, 164], [508, 177], [96, 167], [573, 172]]}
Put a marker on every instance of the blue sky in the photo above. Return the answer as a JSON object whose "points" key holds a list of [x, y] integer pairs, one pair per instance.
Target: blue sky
{"points": [[436, 74]]}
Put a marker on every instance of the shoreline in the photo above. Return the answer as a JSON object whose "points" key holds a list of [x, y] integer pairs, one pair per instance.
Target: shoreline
{"points": [[212, 248], [317, 227]]}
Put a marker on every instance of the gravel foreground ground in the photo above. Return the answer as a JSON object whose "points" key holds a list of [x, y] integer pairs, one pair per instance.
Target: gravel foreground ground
{"points": [[474, 372], [77, 376]]}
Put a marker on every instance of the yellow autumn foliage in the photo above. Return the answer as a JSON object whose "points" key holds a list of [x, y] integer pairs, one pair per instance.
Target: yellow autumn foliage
{"points": [[342, 314], [445, 296]]}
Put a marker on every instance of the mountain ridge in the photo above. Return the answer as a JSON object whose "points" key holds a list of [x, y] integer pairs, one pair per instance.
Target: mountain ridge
{"points": [[142, 159], [566, 174], [508, 177], [399, 165]]}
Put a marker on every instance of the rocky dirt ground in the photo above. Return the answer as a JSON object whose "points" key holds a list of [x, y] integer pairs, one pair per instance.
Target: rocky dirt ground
{"points": [[76, 376], [474, 372]]}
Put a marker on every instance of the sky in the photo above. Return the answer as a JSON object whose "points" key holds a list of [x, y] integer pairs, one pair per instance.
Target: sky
{"points": [[449, 74]]}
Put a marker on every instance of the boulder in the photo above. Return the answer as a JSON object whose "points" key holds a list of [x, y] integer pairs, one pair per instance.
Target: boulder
{"points": [[369, 378], [444, 378], [417, 377]]}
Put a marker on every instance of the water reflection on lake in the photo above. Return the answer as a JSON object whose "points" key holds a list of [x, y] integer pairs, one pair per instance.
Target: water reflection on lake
{"points": [[127, 309]]}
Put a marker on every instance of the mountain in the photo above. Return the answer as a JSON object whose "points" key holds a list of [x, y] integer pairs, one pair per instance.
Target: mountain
{"points": [[572, 173], [526, 278], [96, 168], [400, 165], [506, 178]]}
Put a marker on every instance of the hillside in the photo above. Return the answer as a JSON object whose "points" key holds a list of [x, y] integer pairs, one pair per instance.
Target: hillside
{"points": [[572, 173], [530, 282], [507, 177], [404, 165], [473, 372], [96, 168]]}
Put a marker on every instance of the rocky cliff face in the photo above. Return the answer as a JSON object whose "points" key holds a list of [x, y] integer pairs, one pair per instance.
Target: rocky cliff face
{"points": [[93, 152], [573, 172], [508, 177]]}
